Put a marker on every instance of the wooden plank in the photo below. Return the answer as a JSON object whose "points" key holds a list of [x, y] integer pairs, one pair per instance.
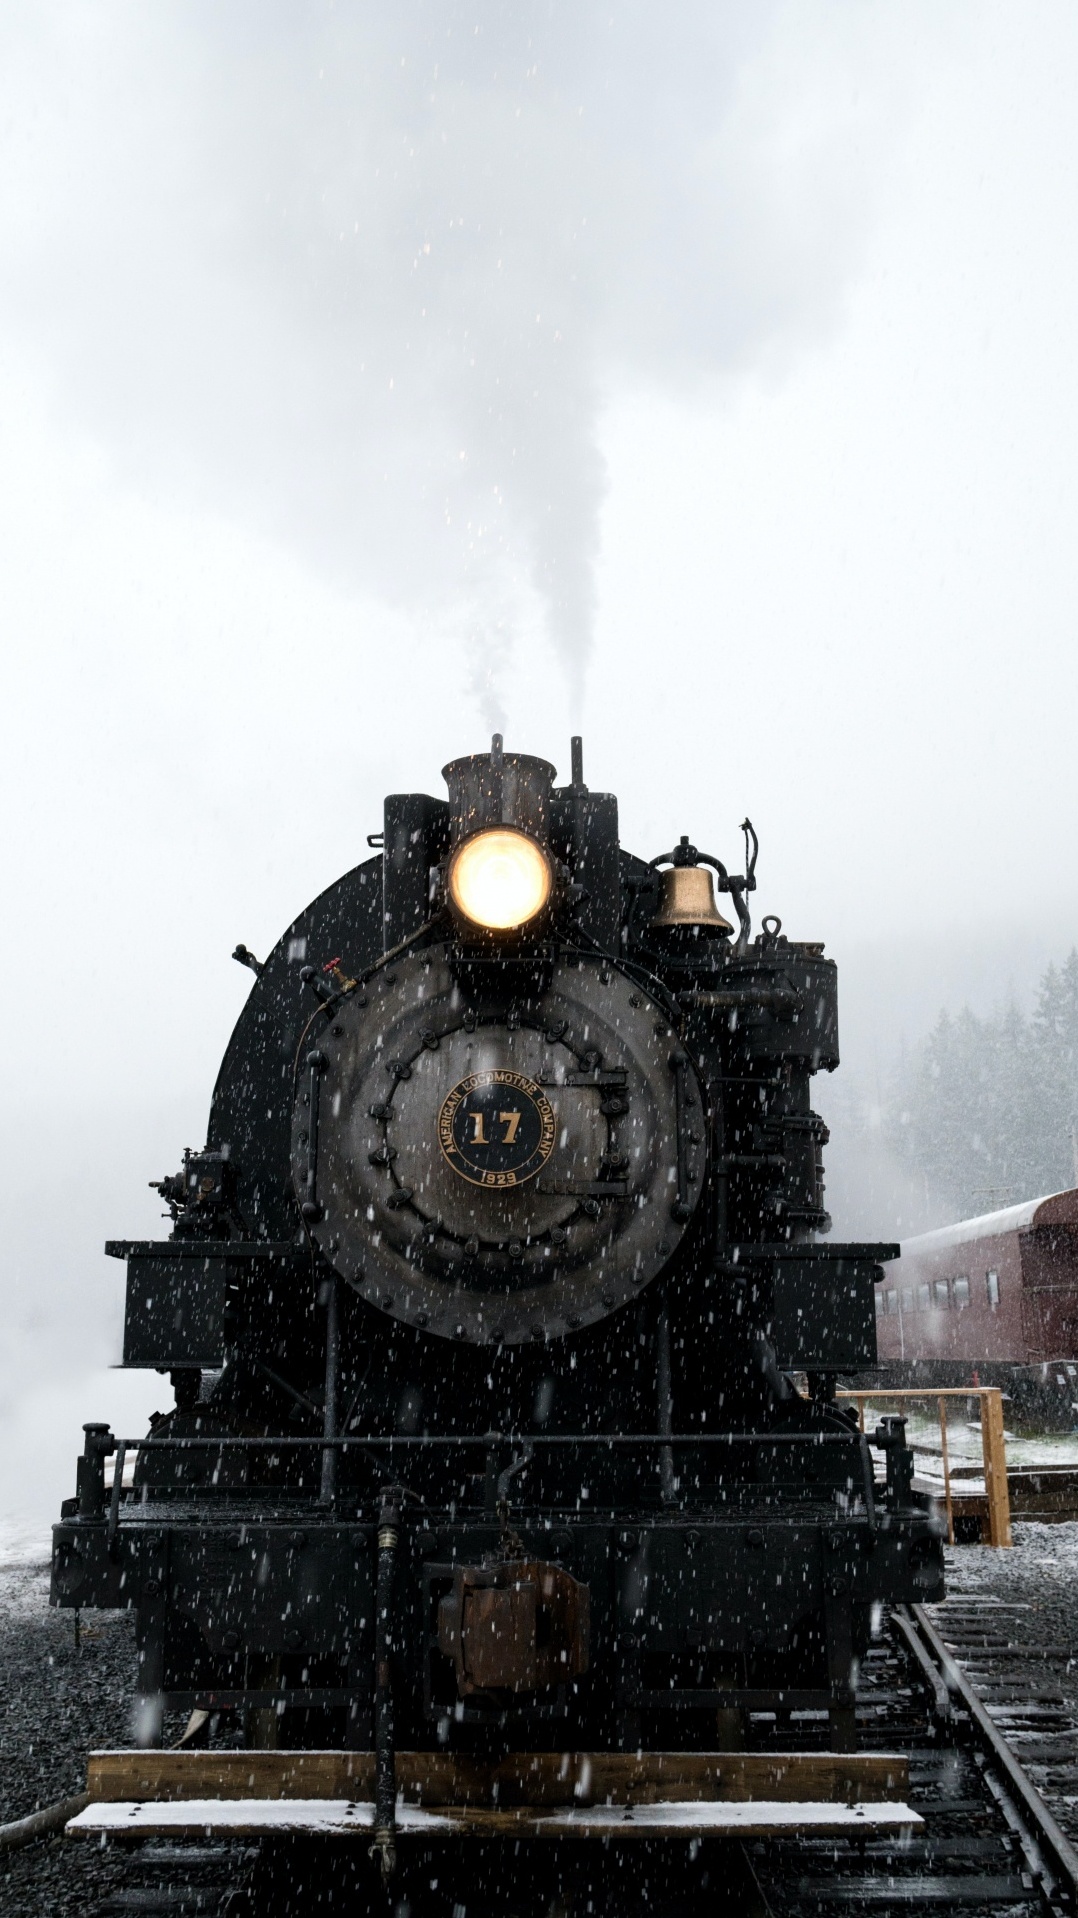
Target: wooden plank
{"points": [[918, 1392], [995, 1469], [528, 1778], [338, 1818], [942, 1403], [1043, 1491]]}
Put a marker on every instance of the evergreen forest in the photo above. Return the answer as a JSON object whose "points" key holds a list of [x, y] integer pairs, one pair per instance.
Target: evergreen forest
{"points": [[986, 1110]]}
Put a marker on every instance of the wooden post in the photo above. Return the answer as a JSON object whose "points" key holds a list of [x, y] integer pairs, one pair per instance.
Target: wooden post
{"points": [[995, 1467], [942, 1403]]}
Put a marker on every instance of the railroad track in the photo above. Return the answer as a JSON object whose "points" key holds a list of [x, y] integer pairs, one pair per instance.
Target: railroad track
{"points": [[964, 1701], [1009, 1626], [990, 1843]]}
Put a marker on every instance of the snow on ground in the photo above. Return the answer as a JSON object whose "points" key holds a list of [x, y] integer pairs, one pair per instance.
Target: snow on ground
{"points": [[964, 1446], [23, 1542]]}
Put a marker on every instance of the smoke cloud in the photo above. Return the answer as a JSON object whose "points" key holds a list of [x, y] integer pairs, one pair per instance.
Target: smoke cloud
{"points": [[367, 276], [318, 328]]}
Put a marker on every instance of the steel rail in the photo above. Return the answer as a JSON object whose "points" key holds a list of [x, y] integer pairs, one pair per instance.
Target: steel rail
{"points": [[1052, 1849], [933, 1677]]}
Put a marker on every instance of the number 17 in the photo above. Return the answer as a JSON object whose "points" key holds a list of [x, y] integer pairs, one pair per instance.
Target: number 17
{"points": [[510, 1120]]}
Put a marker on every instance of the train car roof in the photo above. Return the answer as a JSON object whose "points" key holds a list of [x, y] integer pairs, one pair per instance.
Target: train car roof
{"points": [[1055, 1208]]}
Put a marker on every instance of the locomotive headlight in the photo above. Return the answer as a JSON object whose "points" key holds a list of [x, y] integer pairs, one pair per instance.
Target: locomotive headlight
{"points": [[499, 879]]}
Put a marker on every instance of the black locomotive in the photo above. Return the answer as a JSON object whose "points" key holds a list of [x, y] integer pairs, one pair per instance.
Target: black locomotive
{"points": [[482, 1306]]}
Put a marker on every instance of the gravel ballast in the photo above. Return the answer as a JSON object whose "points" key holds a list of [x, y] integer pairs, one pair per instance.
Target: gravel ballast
{"points": [[57, 1701]]}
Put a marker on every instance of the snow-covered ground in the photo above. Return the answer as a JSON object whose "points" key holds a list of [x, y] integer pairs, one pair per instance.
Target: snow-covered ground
{"points": [[964, 1445], [23, 1542]]}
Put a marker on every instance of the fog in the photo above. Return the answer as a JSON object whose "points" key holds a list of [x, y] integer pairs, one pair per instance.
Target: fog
{"points": [[371, 377]]}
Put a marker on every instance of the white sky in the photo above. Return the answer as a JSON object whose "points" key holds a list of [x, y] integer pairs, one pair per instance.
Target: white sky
{"points": [[776, 504]]}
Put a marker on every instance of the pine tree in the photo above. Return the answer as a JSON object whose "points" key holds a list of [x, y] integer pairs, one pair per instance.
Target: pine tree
{"points": [[987, 1109], [1055, 1034]]}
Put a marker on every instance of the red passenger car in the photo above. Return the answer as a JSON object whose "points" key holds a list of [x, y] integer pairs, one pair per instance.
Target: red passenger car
{"points": [[990, 1301]]}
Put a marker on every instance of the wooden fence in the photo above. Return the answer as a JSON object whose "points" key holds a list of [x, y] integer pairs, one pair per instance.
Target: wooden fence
{"points": [[992, 1506]]}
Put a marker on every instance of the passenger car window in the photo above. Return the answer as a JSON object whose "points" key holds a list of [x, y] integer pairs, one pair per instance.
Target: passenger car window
{"points": [[991, 1281], [961, 1294], [941, 1294]]}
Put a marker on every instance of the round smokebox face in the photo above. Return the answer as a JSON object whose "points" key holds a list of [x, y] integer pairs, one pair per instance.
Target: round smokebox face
{"points": [[496, 1128]]}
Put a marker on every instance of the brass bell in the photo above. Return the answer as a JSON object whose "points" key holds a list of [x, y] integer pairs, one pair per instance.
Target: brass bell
{"points": [[687, 899]]}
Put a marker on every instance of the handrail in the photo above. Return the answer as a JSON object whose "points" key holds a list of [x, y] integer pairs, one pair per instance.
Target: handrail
{"points": [[389, 1441], [379, 1449]]}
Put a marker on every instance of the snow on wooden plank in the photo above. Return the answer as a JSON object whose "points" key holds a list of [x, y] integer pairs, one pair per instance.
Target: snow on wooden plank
{"points": [[254, 1817]]}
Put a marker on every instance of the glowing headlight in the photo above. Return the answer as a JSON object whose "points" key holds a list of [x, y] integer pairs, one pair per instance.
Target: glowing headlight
{"points": [[499, 879]]}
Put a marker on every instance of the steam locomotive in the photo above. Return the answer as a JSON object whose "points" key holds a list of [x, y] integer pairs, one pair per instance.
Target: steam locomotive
{"points": [[502, 1329]]}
